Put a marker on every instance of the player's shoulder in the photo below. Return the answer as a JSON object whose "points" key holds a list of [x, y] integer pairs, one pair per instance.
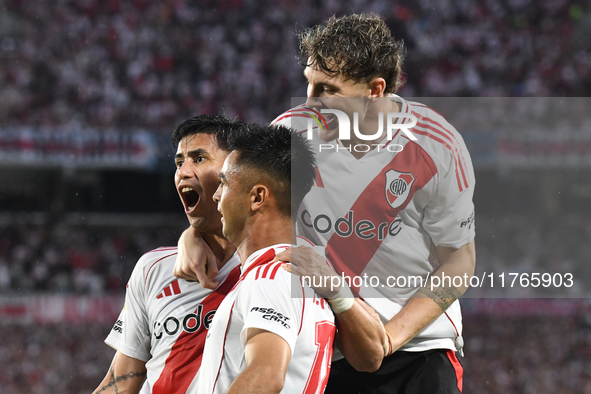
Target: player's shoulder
{"points": [[296, 118], [158, 254], [262, 270], [155, 259], [434, 134], [432, 129], [269, 272]]}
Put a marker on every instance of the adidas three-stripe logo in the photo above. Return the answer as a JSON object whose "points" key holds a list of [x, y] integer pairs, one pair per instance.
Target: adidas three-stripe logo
{"points": [[171, 289]]}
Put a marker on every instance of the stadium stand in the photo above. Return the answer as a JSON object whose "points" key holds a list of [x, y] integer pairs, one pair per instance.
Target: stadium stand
{"points": [[144, 64]]}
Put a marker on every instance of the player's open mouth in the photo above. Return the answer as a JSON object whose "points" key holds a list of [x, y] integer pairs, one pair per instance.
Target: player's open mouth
{"points": [[190, 198]]}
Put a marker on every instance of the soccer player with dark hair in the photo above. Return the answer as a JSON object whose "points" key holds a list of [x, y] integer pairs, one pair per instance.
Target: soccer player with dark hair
{"points": [[267, 337], [160, 333]]}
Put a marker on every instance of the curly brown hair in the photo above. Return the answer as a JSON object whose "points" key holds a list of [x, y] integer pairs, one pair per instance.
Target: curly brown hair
{"points": [[359, 47]]}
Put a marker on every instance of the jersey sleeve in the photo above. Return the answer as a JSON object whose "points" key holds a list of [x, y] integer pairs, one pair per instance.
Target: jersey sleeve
{"points": [[271, 307], [131, 333], [116, 334], [449, 215]]}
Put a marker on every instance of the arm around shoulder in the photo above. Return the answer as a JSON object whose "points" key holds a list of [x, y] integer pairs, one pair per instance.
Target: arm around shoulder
{"points": [[431, 301]]}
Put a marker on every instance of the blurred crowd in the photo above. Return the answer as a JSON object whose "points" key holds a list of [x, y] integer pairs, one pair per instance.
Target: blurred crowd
{"points": [[530, 244], [64, 258], [522, 354], [57, 358], [503, 356], [148, 64]]}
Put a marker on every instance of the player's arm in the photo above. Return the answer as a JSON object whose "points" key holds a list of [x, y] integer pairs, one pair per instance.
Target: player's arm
{"points": [[195, 260], [430, 302], [361, 337], [360, 333], [267, 356], [125, 376]]}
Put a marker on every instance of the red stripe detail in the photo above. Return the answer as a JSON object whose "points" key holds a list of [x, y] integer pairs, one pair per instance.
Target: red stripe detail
{"points": [[155, 262], [450, 136], [260, 261], [175, 287], [266, 271], [184, 359], [217, 375], [306, 114], [457, 367], [339, 250], [305, 240], [163, 249], [167, 291], [453, 150], [274, 272], [258, 273], [160, 295], [303, 305], [452, 323], [318, 178], [416, 131]]}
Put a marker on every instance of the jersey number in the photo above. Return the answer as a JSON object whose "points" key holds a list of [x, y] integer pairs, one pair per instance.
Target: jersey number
{"points": [[318, 378]]}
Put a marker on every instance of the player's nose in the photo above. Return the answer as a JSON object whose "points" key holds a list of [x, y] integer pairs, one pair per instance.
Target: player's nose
{"points": [[218, 193], [313, 102], [185, 171]]}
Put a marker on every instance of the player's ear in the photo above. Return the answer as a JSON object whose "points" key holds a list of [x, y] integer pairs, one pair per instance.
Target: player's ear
{"points": [[259, 196], [377, 86]]}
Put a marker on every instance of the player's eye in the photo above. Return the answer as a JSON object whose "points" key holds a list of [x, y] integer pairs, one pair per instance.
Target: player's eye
{"points": [[179, 163]]}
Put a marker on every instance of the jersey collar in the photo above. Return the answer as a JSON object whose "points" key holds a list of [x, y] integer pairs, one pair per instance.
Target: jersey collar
{"points": [[261, 257]]}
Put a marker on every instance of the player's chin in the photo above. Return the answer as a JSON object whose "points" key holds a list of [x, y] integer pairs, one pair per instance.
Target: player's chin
{"points": [[195, 221]]}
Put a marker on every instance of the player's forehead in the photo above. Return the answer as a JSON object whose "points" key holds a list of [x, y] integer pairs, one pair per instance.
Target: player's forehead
{"points": [[315, 74], [318, 76], [230, 167], [233, 172], [198, 141]]}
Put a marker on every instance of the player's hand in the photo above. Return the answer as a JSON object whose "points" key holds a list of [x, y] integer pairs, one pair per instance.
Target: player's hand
{"points": [[304, 261], [388, 348], [372, 312], [195, 260]]}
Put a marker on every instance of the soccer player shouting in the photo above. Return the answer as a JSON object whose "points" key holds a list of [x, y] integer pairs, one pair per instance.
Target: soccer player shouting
{"points": [[160, 333]]}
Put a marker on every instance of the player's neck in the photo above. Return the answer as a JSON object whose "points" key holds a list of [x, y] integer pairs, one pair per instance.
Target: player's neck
{"points": [[222, 249], [264, 233]]}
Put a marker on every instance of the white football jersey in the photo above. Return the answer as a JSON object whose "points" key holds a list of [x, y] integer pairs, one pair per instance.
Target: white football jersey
{"points": [[263, 299], [379, 217], [165, 320]]}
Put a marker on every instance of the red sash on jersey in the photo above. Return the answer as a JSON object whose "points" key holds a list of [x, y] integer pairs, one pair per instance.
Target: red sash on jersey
{"points": [[351, 255], [184, 359]]}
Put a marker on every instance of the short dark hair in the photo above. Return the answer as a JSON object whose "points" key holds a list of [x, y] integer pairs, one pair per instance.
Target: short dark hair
{"points": [[282, 156], [218, 126], [358, 47]]}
